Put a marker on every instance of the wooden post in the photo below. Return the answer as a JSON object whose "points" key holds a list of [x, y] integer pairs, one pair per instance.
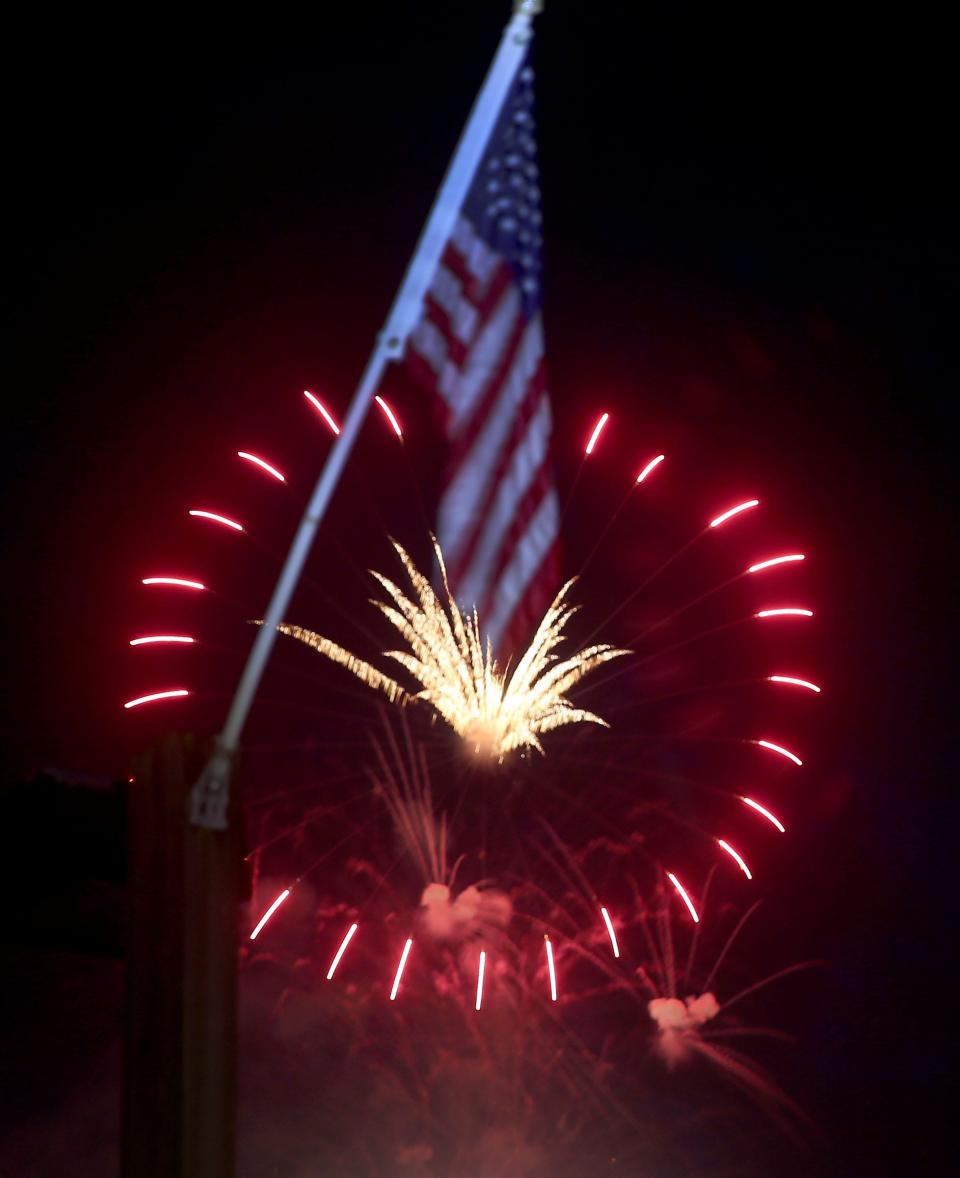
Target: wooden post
{"points": [[180, 1060], [213, 870]]}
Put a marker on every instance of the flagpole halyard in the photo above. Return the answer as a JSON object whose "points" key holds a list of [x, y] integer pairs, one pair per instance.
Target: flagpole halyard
{"points": [[210, 794]]}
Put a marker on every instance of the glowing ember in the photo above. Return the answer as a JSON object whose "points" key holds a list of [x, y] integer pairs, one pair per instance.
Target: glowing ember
{"points": [[778, 748], [149, 639], [552, 968], [340, 952], [737, 858], [787, 611], [263, 464], [176, 693], [403, 962], [650, 467], [217, 519], [597, 431], [794, 682], [269, 912], [613, 936], [492, 713], [771, 818], [177, 582], [731, 512], [480, 968], [682, 893], [775, 560], [320, 408], [390, 415]]}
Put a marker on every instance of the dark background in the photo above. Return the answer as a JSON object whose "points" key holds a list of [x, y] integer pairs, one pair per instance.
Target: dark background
{"points": [[749, 256]]}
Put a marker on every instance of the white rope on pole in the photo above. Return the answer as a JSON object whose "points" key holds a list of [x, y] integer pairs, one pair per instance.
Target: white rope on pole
{"points": [[210, 794]]}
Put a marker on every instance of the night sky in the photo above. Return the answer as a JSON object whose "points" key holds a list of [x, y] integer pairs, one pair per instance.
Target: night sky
{"points": [[749, 260]]}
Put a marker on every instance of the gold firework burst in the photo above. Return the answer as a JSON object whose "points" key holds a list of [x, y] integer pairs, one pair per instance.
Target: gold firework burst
{"points": [[493, 711]]}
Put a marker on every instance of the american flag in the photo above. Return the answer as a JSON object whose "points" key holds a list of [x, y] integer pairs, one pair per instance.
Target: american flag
{"points": [[479, 347]]}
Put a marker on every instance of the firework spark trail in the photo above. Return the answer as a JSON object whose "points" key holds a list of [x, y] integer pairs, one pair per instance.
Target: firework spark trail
{"points": [[480, 969], [154, 639], [216, 518], [774, 561], [269, 912], [771, 818], [732, 511], [323, 411], [682, 893], [348, 936], [175, 582], [173, 693], [390, 416], [788, 679], [613, 936], [785, 611], [262, 463], [400, 967], [551, 967], [650, 468], [597, 431], [737, 858], [779, 749]]}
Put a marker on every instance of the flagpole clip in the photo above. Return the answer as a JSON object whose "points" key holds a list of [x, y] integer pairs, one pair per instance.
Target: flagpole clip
{"points": [[210, 795], [392, 343]]}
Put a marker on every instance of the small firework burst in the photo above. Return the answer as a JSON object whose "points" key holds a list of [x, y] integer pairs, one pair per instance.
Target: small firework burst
{"points": [[493, 711]]}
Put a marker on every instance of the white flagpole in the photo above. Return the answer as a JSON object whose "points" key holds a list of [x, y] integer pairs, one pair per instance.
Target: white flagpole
{"points": [[210, 794]]}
